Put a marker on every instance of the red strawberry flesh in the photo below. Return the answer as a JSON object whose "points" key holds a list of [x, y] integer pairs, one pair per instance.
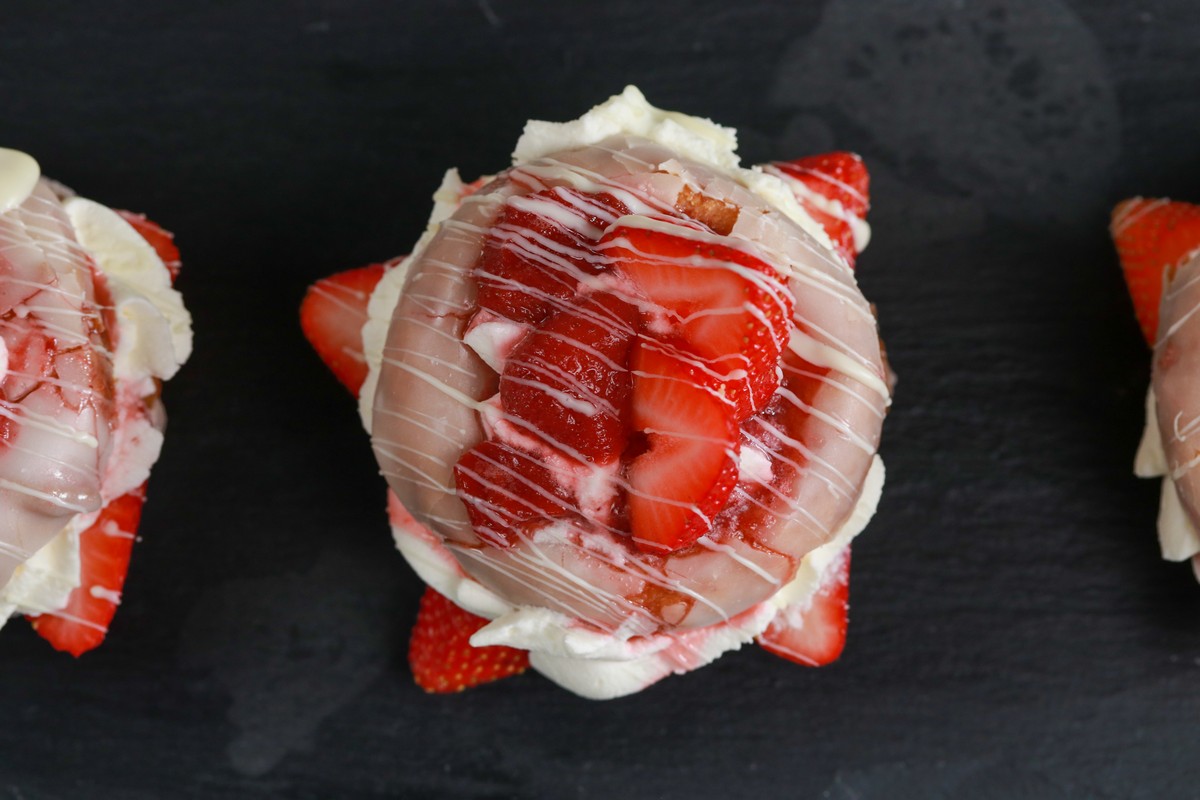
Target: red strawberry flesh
{"points": [[504, 489], [838, 177], [689, 467], [104, 550], [815, 634], [1154, 237], [441, 656], [732, 309], [568, 380], [332, 316], [538, 251]]}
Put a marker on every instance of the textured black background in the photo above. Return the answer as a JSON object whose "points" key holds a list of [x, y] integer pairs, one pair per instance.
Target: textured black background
{"points": [[1014, 633]]}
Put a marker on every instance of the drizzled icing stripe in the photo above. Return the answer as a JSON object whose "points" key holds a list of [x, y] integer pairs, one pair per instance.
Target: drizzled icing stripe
{"points": [[858, 226]]}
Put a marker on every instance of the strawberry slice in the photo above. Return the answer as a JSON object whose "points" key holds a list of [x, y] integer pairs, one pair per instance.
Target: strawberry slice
{"points": [[332, 316], [539, 248], [731, 308], [162, 240], [1153, 238], [504, 489], [841, 179], [814, 634], [568, 379], [689, 466], [104, 550], [839, 176], [440, 653]]}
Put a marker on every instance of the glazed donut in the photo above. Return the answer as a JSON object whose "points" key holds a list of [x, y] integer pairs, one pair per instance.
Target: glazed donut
{"points": [[89, 327], [814, 436]]}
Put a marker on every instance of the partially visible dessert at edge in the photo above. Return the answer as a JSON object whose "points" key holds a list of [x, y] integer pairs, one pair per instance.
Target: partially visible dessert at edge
{"points": [[1158, 243], [90, 326], [627, 396]]}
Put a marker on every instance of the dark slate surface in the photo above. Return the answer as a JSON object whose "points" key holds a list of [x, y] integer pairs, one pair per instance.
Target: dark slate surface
{"points": [[1014, 633]]}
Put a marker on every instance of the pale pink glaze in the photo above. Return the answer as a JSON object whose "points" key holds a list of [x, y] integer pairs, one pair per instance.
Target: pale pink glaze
{"points": [[432, 403], [56, 404], [1176, 383]]}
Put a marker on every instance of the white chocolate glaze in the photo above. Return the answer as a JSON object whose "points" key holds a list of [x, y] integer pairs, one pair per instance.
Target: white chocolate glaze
{"points": [[387, 292], [50, 239]]}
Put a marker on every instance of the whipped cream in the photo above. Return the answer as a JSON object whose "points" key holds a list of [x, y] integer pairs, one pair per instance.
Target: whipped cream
{"points": [[19, 174], [154, 329], [692, 137], [1178, 538], [153, 339]]}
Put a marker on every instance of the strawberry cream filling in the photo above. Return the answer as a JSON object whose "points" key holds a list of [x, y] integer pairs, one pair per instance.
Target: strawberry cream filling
{"points": [[627, 397], [90, 327]]}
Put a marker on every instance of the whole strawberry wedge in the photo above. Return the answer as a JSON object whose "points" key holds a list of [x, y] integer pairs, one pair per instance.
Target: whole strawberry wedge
{"points": [[440, 652], [90, 327], [1158, 244], [627, 397]]}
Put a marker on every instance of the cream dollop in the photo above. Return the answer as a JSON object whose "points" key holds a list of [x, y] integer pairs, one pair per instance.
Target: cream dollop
{"points": [[695, 138], [154, 329], [19, 174], [1178, 539]]}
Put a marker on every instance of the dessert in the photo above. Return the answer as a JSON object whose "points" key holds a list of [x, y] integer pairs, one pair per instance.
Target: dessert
{"points": [[89, 328], [627, 397], [1158, 242]]}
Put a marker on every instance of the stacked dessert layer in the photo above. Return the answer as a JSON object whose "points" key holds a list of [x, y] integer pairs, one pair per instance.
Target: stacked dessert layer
{"points": [[89, 327]]}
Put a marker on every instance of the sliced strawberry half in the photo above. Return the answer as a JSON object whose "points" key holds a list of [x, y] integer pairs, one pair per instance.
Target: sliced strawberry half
{"points": [[539, 248], [568, 379], [840, 177], [332, 316], [1154, 237], [440, 652], [814, 634], [104, 550], [162, 240], [689, 466], [504, 489], [730, 307]]}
